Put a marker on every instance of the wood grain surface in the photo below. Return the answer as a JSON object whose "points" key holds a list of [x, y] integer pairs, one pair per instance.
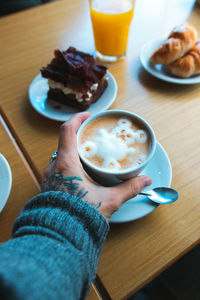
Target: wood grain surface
{"points": [[134, 252], [24, 185]]}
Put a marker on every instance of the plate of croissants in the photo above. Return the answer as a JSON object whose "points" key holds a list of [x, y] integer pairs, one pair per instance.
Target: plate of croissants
{"points": [[176, 58]]}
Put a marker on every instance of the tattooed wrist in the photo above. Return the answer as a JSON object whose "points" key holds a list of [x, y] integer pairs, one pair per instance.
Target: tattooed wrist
{"points": [[95, 205], [70, 185]]}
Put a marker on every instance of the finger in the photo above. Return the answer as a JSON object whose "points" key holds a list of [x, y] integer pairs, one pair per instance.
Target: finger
{"points": [[67, 144], [130, 188], [47, 172]]}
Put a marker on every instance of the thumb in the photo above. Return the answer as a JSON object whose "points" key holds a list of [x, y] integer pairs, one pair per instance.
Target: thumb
{"points": [[130, 188]]}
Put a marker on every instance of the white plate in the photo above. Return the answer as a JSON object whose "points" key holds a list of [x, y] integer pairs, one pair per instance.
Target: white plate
{"points": [[38, 95], [5, 181], [160, 171], [157, 70]]}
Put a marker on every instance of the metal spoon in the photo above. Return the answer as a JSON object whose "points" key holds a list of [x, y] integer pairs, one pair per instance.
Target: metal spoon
{"points": [[162, 195]]}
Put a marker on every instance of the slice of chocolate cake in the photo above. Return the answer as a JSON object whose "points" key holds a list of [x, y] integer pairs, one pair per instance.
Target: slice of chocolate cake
{"points": [[74, 78]]}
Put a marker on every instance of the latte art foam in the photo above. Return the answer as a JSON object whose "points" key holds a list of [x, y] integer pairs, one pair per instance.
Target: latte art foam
{"points": [[110, 146]]}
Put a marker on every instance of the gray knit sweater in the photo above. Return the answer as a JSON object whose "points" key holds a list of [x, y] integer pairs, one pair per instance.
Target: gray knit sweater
{"points": [[57, 240]]}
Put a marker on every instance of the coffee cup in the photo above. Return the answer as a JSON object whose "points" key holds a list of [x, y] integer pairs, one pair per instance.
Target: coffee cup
{"points": [[115, 145]]}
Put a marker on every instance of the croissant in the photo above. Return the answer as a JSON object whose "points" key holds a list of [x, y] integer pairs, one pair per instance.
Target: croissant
{"points": [[187, 65], [180, 40]]}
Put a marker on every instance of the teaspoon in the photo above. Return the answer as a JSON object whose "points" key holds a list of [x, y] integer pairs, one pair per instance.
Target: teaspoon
{"points": [[162, 195]]}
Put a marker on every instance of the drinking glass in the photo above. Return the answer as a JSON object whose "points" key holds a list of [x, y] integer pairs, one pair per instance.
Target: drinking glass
{"points": [[111, 21]]}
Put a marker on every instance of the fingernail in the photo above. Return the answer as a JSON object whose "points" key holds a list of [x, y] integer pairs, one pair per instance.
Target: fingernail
{"points": [[147, 181]]}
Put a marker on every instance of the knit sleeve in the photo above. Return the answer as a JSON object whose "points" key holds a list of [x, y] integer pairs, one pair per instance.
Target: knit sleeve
{"points": [[57, 240]]}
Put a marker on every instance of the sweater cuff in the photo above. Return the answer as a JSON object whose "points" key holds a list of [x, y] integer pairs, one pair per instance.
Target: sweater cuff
{"points": [[66, 218]]}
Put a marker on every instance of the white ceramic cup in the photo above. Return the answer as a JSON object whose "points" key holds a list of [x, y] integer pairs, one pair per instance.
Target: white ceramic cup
{"points": [[109, 177]]}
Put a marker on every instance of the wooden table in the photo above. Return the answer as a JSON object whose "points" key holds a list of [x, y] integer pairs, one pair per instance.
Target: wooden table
{"points": [[134, 252], [24, 183]]}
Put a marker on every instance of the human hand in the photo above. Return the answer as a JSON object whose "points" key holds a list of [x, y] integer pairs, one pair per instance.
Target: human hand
{"points": [[67, 174]]}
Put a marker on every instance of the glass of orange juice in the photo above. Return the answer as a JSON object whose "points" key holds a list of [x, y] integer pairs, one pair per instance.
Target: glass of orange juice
{"points": [[111, 21]]}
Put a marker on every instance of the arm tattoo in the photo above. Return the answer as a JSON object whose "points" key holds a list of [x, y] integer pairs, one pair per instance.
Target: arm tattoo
{"points": [[95, 205], [70, 185]]}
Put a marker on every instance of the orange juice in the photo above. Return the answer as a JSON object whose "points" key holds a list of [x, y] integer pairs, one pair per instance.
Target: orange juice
{"points": [[111, 21]]}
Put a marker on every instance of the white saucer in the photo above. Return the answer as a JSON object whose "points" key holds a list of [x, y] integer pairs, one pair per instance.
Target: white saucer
{"points": [[38, 95], [160, 171], [157, 70], [5, 181]]}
